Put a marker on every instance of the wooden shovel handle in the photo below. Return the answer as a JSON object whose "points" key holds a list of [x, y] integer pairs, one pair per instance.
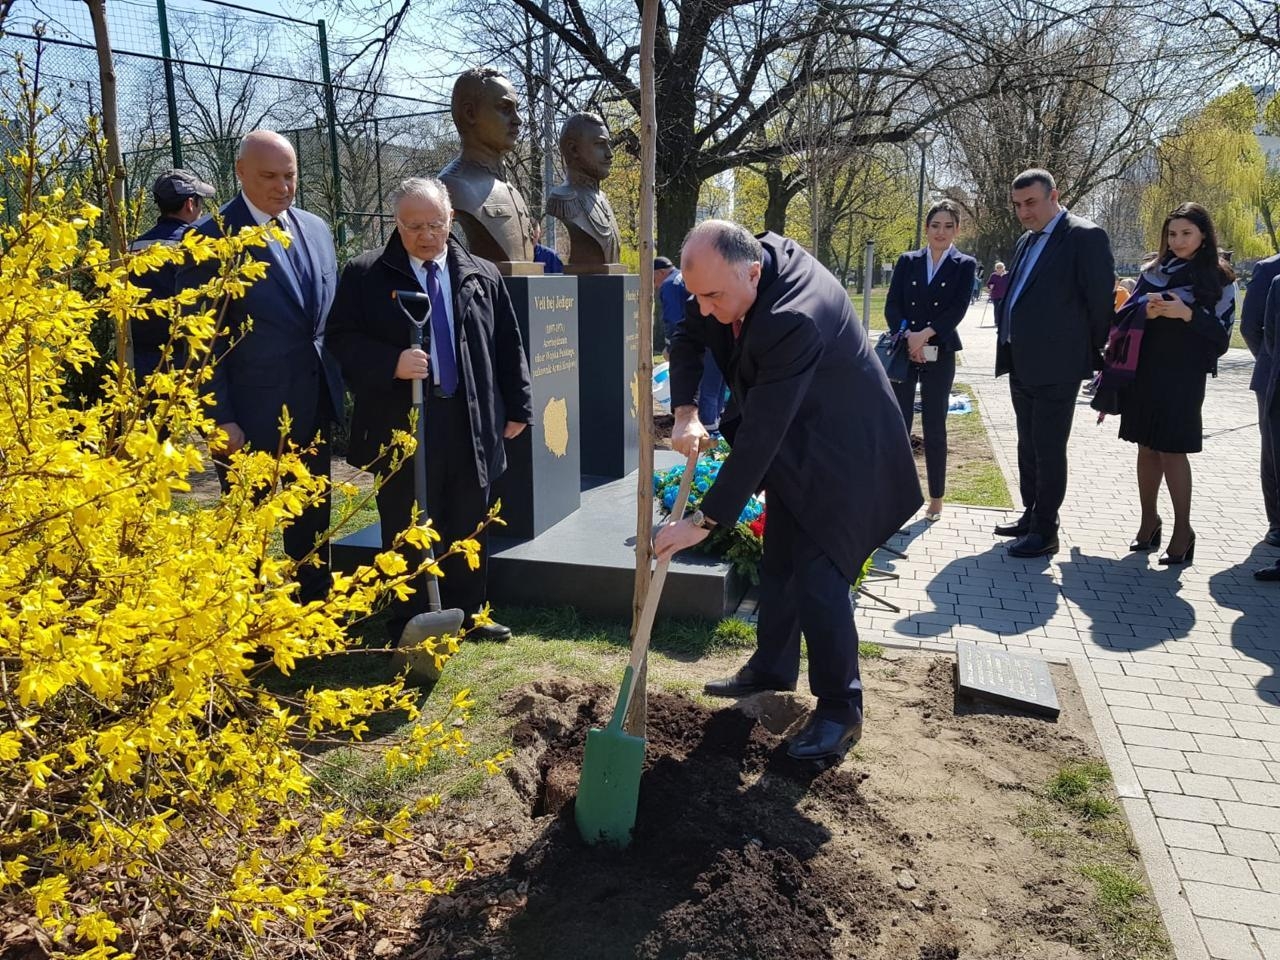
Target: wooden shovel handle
{"points": [[640, 646]]}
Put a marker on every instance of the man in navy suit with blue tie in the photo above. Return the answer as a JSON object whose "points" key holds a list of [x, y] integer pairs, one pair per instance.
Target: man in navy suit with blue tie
{"points": [[281, 361], [1053, 325]]}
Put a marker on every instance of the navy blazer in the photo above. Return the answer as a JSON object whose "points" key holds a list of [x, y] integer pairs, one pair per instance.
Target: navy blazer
{"points": [[1252, 317], [1055, 332], [941, 304], [811, 417], [1268, 389], [282, 361]]}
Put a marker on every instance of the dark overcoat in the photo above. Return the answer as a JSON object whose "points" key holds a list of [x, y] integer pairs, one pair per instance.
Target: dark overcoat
{"points": [[811, 418], [940, 304], [1056, 330], [368, 331], [1252, 316], [282, 360]]}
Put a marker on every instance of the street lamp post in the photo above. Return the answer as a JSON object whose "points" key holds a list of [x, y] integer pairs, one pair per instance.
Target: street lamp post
{"points": [[923, 137]]}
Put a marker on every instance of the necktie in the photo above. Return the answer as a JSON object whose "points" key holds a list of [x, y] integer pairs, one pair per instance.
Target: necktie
{"points": [[297, 258], [737, 328], [446, 363], [1015, 283]]}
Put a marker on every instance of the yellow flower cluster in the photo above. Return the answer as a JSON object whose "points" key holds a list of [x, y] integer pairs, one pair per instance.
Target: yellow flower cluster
{"points": [[140, 767]]}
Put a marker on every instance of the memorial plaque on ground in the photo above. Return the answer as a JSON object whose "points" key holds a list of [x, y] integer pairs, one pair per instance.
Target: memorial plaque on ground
{"points": [[1008, 678]]}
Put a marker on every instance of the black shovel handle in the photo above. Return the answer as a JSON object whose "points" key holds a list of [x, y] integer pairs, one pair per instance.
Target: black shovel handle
{"points": [[418, 340]]}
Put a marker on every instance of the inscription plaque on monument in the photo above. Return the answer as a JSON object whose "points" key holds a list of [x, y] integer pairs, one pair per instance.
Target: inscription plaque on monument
{"points": [[1008, 678], [608, 314], [542, 484]]}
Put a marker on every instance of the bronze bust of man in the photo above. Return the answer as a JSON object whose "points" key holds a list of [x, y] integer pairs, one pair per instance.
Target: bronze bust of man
{"points": [[491, 210], [579, 203]]}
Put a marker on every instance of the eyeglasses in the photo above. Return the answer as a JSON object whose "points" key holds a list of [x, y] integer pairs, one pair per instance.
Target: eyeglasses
{"points": [[423, 227]]}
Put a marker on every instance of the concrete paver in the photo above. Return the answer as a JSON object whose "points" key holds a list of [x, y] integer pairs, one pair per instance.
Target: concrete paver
{"points": [[1187, 658]]}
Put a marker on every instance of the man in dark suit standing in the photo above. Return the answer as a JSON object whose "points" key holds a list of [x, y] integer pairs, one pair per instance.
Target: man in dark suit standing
{"points": [[281, 362], [1053, 326], [1251, 328], [812, 420], [1269, 401], [479, 392]]}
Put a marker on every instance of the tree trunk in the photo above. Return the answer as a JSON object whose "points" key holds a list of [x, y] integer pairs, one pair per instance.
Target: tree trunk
{"points": [[115, 166], [779, 199], [677, 212]]}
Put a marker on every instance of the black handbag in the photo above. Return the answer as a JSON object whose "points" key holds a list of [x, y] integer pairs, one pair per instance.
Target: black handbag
{"points": [[891, 348]]}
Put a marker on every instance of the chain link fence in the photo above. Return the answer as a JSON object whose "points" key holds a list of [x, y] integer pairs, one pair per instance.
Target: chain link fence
{"points": [[193, 77]]}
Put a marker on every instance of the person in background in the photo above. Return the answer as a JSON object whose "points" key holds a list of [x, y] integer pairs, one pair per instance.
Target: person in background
{"points": [[179, 197], [1252, 315], [1124, 288], [929, 291], [1052, 327], [1269, 402], [674, 296], [997, 285], [550, 260], [1187, 292]]}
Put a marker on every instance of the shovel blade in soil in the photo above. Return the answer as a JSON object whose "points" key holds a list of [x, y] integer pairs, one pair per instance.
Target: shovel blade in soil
{"points": [[422, 665], [609, 788]]}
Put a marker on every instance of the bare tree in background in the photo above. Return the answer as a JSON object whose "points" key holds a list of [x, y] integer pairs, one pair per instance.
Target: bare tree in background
{"points": [[1071, 98]]}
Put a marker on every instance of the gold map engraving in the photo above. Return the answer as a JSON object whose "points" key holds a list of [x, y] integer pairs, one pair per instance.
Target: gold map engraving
{"points": [[555, 426]]}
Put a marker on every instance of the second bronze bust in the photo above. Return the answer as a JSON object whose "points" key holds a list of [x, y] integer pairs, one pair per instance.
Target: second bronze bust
{"points": [[594, 241]]}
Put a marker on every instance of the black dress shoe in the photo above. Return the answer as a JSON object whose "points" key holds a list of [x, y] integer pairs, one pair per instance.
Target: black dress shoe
{"points": [[1268, 574], [1034, 545], [1019, 528], [743, 684], [1140, 545], [823, 739], [489, 633], [1272, 539]]}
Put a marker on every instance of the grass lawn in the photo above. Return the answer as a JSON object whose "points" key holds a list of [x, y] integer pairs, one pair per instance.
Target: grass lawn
{"points": [[973, 476], [878, 297]]}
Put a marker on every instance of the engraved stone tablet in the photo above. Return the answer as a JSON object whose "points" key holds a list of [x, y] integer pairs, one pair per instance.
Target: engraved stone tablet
{"points": [[1004, 677]]}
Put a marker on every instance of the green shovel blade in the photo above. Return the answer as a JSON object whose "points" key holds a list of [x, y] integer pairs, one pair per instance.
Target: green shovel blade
{"points": [[609, 789]]}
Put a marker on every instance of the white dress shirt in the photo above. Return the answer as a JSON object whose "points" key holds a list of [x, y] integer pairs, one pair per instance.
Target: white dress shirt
{"points": [[930, 267], [262, 218]]}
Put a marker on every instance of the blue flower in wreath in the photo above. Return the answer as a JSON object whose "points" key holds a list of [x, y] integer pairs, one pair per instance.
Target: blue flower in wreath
{"points": [[669, 497]]}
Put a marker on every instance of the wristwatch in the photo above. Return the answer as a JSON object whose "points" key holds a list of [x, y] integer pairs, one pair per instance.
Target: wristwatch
{"points": [[700, 519]]}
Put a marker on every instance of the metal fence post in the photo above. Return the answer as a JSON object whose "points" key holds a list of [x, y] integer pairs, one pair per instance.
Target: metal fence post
{"points": [[297, 152], [332, 111], [868, 268], [175, 138], [377, 170]]}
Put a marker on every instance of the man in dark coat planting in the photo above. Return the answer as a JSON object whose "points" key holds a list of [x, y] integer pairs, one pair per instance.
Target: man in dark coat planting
{"points": [[813, 422], [478, 389]]}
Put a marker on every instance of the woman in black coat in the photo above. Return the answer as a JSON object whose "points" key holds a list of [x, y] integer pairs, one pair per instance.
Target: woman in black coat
{"points": [[929, 294], [1187, 294]]}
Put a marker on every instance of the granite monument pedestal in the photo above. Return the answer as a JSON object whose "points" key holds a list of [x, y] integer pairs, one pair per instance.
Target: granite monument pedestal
{"points": [[541, 485], [608, 338]]}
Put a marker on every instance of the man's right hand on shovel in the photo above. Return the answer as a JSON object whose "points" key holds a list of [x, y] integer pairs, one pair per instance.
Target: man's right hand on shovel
{"points": [[688, 433], [413, 364]]}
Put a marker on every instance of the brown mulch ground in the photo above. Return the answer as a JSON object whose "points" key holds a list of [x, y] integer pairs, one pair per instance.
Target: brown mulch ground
{"points": [[907, 851]]}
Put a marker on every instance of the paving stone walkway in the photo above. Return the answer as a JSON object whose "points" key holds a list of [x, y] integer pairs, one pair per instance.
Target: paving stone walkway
{"points": [[1186, 657]]}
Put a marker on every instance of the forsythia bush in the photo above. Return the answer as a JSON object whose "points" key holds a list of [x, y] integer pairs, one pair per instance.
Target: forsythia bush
{"points": [[144, 779]]}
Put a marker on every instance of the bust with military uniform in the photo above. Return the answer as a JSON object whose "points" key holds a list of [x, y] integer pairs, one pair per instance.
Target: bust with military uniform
{"points": [[579, 203]]}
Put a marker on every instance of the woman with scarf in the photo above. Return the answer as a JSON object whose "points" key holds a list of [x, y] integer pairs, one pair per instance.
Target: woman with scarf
{"points": [[1166, 341]]}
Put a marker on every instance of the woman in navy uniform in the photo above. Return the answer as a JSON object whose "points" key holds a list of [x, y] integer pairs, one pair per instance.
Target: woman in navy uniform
{"points": [[929, 292]]}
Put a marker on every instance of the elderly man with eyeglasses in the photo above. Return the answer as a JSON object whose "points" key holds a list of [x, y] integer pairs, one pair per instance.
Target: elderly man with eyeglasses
{"points": [[476, 380]]}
